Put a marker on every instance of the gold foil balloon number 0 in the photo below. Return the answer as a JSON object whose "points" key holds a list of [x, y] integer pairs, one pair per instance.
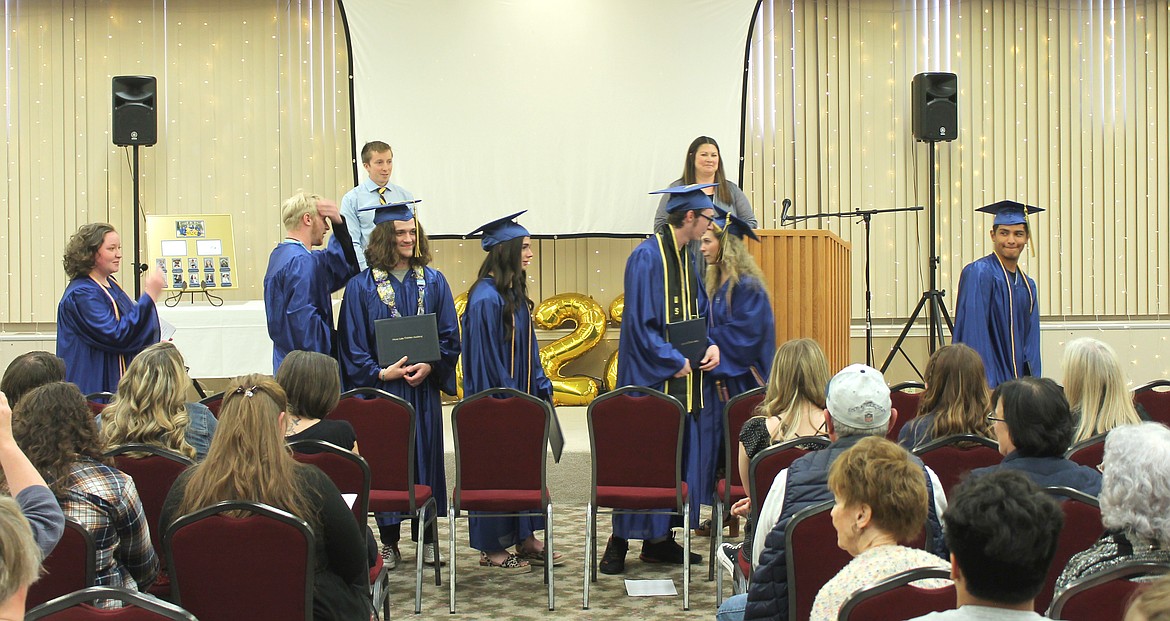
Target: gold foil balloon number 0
{"points": [[590, 319]]}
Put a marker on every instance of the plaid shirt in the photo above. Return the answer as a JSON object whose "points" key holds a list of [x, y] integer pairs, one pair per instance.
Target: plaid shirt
{"points": [[105, 501]]}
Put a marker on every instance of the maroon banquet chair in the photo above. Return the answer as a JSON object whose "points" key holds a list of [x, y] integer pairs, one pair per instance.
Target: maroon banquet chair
{"points": [[71, 566], [213, 402], [1105, 594], [351, 474], [77, 606], [225, 568], [730, 488], [904, 398], [385, 426], [1154, 397], [813, 557], [482, 425], [1082, 528], [897, 599], [1089, 452], [636, 441], [952, 457], [97, 401]]}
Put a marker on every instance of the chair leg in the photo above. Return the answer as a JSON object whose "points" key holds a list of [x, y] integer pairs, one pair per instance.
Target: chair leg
{"points": [[435, 545], [687, 555], [548, 557], [587, 558], [418, 560], [451, 519], [716, 534]]}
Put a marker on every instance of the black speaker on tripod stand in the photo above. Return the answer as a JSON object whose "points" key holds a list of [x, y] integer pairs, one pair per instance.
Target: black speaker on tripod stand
{"points": [[135, 124], [934, 118]]}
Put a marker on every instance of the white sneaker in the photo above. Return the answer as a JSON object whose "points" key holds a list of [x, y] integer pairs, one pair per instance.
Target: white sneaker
{"points": [[727, 555], [429, 555]]}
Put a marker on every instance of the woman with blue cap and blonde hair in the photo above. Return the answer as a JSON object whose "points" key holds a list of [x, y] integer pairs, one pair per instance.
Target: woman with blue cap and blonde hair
{"points": [[500, 351]]}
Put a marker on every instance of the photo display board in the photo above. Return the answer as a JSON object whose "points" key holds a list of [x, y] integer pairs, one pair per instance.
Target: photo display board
{"points": [[196, 251]]}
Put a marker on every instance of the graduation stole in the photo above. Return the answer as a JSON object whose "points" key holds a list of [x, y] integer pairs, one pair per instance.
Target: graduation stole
{"points": [[386, 290], [1012, 309], [117, 317], [681, 303]]}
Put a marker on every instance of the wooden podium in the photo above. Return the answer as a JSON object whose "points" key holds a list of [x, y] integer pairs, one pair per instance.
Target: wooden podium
{"points": [[808, 277]]}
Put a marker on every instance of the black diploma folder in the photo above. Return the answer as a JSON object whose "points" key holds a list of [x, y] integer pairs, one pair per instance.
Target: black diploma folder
{"points": [[413, 336], [689, 338]]}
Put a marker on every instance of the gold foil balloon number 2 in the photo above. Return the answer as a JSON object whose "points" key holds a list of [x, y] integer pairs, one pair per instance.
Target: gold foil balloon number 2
{"points": [[589, 318]]}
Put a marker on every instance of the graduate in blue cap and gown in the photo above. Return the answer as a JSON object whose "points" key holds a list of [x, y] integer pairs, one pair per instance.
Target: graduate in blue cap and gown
{"points": [[741, 324], [99, 328], [300, 280], [997, 313], [662, 287], [500, 351], [399, 282]]}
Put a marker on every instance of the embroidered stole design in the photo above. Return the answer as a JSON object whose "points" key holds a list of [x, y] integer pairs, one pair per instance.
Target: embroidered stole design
{"points": [[681, 303]]}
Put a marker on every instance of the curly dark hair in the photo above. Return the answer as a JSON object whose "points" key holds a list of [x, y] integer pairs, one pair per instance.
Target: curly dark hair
{"points": [[382, 253], [54, 427], [81, 251]]}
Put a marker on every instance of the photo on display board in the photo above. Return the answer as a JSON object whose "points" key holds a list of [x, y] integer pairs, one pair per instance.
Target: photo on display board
{"points": [[208, 264], [192, 264]]}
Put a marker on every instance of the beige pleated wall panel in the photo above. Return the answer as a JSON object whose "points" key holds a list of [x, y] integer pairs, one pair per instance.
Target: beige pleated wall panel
{"points": [[253, 103], [1064, 105]]}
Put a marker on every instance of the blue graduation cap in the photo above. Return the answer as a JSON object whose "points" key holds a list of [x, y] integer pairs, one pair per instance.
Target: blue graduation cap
{"points": [[1009, 212], [500, 231], [737, 227], [393, 211], [689, 197]]}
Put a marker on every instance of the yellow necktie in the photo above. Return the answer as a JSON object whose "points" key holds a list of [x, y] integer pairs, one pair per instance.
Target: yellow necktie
{"points": [[382, 195]]}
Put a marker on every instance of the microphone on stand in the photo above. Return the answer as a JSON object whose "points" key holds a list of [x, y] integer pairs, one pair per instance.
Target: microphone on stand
{"points": [[785, 204], [142, 268]]}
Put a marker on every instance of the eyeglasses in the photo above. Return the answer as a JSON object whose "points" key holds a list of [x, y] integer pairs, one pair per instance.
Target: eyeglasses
{"points": [[709, 218], [991, 418]]}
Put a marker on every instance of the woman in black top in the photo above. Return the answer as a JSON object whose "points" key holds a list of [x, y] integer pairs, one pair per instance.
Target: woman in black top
{"points": [[313, 385]]}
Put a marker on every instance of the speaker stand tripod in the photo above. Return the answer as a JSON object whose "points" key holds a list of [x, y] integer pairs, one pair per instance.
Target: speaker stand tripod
{"points": [[866, 215], [932, 298]]}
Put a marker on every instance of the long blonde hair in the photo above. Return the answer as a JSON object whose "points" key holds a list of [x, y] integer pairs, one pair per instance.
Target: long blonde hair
{"points": [[1095, 386], [735, 262], [149, 406], [799, 376], [249, 459]]}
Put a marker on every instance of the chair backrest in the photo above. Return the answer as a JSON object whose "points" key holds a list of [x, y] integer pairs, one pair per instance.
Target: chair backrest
{"points": [[735, 414], [491, 424], [154, 473], [348, 471], [769, 462], [1105, 594], [71, 566], [952, 457], [636, 439], [1154, 397], [97, 401], [213, 402], [76, 606], [1089, 452], [813, 557], [1082, 528], [259, 566], [385, 429], [895, 598], [904, 398]]}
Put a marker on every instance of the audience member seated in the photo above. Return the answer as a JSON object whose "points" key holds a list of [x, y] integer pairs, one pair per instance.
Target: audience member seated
{"points": [[20, 560], [880, 502], [249, 460], [313, 385], [1034, 427], [1002, 531], [1094, 385], [955, 400], [56, 430], [1135, 503], [1151, 603], [149, 407], [28, 487], [27, 371], [793, 407], [858, 406]]}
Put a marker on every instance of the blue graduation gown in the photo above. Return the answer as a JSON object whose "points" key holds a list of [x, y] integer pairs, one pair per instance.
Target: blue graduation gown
{"points": [[646, 358], [95, 345], [997, 315], [297, 287], [745, 331], [358, 352], [488, 363]]}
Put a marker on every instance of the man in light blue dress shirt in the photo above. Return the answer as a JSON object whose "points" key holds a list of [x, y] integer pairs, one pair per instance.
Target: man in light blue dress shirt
{"points": [[378, 160]]}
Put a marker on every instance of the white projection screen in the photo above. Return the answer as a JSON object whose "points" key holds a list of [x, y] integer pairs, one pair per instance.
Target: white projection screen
{"points": [[571, 109]]}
